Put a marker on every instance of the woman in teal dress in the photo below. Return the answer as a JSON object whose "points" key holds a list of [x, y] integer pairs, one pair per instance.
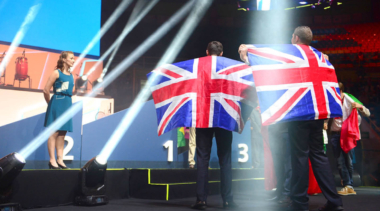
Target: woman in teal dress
{"points": [[62, 82]]}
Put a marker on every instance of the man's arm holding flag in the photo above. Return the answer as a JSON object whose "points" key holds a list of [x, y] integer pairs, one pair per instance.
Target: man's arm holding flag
{"points": [[361, 108]]}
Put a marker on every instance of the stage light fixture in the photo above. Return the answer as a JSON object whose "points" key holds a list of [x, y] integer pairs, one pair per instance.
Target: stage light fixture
{"points": [[99, 80], [10, 167], [81, 84], [303, 2], [92, 183], [96, 82]]}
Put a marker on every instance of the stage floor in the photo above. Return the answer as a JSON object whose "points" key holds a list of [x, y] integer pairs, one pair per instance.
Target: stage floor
{"points": [[366, 199]]}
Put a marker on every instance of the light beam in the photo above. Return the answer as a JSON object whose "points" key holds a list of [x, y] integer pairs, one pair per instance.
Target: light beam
{"points": [[33, 11], [138, 8], [169, 56], [111, 20], [128, 28]]}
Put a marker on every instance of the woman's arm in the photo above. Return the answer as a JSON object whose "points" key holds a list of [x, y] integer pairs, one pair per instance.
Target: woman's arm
{"points": [[49, 84]]}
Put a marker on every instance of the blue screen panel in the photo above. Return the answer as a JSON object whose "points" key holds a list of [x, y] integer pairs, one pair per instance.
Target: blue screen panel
{"points": [[59, 24]]}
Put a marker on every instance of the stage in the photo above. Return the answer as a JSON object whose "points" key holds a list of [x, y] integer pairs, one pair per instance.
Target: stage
{"points": [[366, 199]]}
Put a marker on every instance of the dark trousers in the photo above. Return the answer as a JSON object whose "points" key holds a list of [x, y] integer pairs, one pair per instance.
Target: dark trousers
{"points": [[306, 140], [280, 149], [204, 142], [344, 160]]}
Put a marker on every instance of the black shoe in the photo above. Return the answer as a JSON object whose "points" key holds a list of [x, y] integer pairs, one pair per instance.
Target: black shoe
{"points": [[63, 167], [53, 167], [199, 205], [328, 207], [284, 200], [230, 205]]}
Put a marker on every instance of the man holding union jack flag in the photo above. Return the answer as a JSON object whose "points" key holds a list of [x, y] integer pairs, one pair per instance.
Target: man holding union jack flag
{"points": [[296, 84], [213, 95]]}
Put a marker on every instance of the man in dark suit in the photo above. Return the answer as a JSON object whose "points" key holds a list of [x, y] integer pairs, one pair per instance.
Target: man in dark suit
{"points": [[204, 143], [306, 140]]}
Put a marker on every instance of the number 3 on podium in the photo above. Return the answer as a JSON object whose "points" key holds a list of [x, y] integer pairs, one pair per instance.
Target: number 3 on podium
{"points": [[243, 152]]}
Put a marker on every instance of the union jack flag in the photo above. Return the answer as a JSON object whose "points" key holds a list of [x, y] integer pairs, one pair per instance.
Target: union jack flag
{"points": [[206, 92], [294, 82]]}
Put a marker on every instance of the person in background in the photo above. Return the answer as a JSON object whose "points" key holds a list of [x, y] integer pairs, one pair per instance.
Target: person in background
{"points": [[344, 160], [62, 82]]}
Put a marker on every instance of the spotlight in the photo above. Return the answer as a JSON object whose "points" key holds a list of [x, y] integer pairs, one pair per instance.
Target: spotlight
{"points": [[96, 82], [92, 184], [81, 84], [303, 2], [10, 166]]}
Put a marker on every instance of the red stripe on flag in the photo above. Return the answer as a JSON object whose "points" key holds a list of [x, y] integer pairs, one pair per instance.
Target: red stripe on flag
{"points": [[170, 115], [235, 69], [318, 88], [168, 72], [176, 89], [286, 107], [336, 94], [270, 56], [236, 108], [203, 92], [233, 105]]}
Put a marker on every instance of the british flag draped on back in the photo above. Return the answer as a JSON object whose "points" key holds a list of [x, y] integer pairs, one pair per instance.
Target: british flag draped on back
{"points": [[294, 82], [206, 92]]}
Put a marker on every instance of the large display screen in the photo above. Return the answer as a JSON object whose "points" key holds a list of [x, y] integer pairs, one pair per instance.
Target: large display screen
{"points": [[59, 24]]}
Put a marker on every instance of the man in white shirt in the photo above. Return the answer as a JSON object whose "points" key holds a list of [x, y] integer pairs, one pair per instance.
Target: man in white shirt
{"points": [[344, 160]]}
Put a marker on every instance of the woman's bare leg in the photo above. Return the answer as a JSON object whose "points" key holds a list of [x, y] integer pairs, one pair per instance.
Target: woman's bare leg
{"points": [[51, 148], [60, 144]]}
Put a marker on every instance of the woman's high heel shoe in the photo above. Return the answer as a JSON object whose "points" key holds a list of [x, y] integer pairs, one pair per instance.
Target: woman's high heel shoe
{"points": [[63, 167], [53, 167]]}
